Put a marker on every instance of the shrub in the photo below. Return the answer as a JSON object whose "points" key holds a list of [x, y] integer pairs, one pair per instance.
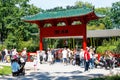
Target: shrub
{"points": [[112, 45], [114, 77], [117, 50], [29, 45], [2, 46], [101, 49]]}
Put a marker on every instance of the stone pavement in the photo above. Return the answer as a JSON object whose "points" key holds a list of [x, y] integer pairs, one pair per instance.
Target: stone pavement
{"points": [[59, 71]]}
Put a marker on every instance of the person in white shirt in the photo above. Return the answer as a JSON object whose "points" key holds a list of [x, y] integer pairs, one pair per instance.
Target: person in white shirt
{"points": [[92, 58], [69, 55], [50, 56], [82, 58], [35, 62], [40, 56], [7, 56], [65, 55], [24, 54]]}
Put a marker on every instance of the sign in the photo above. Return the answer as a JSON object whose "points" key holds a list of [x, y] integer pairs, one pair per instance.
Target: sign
{"points": [[77, 30]]}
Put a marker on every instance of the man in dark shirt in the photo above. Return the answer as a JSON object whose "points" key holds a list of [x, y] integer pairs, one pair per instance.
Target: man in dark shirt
{"points": [[3, 55]]}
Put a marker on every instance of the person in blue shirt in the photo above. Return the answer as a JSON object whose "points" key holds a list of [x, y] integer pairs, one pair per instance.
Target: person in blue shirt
{"points": [[15, 67]]}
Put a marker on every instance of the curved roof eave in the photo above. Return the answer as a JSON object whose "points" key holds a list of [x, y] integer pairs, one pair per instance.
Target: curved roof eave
{"points": [[58, 14]]}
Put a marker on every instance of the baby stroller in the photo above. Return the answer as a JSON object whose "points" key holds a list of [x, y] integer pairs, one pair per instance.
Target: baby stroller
{"points": [[21, 62], [100, 63], [107, 63]]}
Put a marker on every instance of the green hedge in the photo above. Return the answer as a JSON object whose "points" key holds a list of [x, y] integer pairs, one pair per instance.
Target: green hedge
{"points": [[115, 77], [112, 45], [102, 49]]}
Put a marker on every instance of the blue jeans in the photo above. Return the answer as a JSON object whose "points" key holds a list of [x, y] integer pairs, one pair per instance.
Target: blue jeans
{"points": [[86, 65], [82, 62], [91, 63], [3, 58]]}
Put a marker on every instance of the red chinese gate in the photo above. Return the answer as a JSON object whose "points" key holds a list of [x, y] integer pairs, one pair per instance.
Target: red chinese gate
{"points": [[83, 15]]}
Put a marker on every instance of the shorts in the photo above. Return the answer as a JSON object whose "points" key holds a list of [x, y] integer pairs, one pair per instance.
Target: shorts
{"points": [[64, 59]]}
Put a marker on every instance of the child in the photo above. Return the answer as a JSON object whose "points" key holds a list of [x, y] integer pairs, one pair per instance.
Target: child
{"points": [[35, 61]]}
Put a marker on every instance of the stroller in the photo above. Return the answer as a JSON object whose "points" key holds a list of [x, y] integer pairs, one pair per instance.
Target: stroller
{"points": [[100, 63], [21, 62], [17, 65], [107, 63]]}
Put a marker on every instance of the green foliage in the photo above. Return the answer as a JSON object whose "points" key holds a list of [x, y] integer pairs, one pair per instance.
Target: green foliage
{"points": [[117, 50], [101, 49], [5, 70], [30, 45], [107, 22], [13, 30], [97, 79], [16, 41], [106, 19], [10, 42], [2, 47], [83, 4], [104, 11], [111, 44], [115, 14], [94, 27], [114, 77]]}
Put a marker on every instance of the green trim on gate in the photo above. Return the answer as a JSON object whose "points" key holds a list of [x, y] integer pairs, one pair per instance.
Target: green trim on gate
{"points": [[59, 14]]}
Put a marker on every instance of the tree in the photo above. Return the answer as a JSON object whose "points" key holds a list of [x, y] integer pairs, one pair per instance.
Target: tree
{"points": [[102, 11], [12, 28], [82, 4], [106, 19], [115, 14]]}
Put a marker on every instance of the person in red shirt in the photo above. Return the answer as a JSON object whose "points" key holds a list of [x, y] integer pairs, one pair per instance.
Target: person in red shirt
{"points": [[86, 59]]}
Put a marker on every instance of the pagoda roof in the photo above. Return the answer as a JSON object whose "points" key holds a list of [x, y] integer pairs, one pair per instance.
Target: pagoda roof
{"points": [[66, 13]]}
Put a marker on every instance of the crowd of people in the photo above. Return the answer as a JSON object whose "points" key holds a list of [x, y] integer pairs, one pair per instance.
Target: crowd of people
{"points": [[7, 55], [86, 58]]}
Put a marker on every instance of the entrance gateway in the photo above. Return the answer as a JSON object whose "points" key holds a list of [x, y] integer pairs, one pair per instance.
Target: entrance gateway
{"points": [[68, 17]]}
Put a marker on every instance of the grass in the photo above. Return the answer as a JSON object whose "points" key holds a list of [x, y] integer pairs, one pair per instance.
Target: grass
{"points": [[6, 70], [115, 77]]}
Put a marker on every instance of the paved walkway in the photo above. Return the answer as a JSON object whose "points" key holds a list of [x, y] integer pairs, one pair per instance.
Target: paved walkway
{"points": [[59, 71]]}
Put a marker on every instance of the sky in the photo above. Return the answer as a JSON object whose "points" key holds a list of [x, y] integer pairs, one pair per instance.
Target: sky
{"points": [[49, 4]]}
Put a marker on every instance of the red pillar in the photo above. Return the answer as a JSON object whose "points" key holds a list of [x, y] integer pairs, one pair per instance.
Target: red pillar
{"points": [[40, 26], [41, 42], [84, 37]]}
